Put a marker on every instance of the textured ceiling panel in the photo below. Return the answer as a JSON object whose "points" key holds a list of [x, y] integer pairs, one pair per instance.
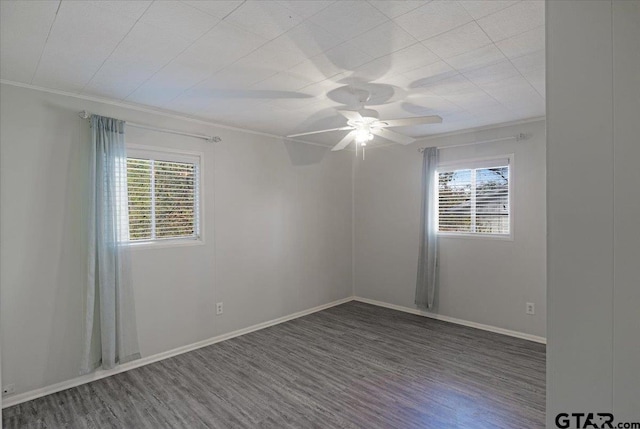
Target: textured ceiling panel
{"points": [[513, 20], [129, 9], [307, 8], [348, 19], [523, 44], [383, 39], [264, 18], [77, 47], [24, 27], [216, 8], [395, 8], [434, 18], [179, 18], [480, 57], [492, 73], [459, 41], [143, 52], [480, 8]]}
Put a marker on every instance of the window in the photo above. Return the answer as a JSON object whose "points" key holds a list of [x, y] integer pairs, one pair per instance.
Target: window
{"points": [[474, 198], [163, 195]]}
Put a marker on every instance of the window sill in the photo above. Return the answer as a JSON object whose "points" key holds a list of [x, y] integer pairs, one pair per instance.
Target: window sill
{"points": [[472, 236], [158, 244]]}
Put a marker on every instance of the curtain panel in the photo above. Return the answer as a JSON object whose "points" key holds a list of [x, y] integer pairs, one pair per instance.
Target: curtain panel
{"points": [[427, 280], [110, 331]]}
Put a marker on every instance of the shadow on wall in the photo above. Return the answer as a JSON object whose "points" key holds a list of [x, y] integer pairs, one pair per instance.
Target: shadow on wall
{"points": [[65, 319], [304, 154]]}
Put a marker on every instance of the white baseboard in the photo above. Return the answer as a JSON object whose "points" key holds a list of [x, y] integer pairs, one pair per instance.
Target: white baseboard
{"points": [[10, 401], [489, 328]]}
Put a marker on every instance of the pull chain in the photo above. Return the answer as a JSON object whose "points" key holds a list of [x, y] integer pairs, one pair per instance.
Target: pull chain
{"points": [[362, 146]]}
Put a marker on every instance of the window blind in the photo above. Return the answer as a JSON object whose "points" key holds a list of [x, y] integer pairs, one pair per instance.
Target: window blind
{"points": [[474, 200], [163, 199]]}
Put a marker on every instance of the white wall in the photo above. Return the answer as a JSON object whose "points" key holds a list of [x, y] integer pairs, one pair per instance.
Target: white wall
{"points": [[485, 281], [277, 235], [593, 97], [626, 211]]}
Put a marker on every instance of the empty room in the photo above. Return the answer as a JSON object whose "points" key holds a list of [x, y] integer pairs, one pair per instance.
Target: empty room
{"points": [[320, 214]]}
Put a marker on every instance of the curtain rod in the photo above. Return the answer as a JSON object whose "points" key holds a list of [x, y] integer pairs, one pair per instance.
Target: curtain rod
{"points": [[86, 115], [517, 137]]}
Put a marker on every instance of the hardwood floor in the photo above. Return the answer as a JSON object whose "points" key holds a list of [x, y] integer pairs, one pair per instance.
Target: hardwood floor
{"points": [[351, 366]]}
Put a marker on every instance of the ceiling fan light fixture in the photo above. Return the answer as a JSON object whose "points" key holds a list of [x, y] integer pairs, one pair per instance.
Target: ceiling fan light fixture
{"points": [[363, 135]]}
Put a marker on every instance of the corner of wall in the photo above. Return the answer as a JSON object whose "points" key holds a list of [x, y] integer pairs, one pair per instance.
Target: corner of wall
{"points": [[354, 164]]}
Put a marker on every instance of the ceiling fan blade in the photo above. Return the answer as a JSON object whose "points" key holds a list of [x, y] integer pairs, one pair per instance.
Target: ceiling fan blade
{"points": [[321, 131], [344, 142], [412, 121], [257, 94], [393, 136], [351, 115]]}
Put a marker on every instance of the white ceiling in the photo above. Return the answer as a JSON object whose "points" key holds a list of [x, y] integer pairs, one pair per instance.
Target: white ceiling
{"points": [[285, 66]]}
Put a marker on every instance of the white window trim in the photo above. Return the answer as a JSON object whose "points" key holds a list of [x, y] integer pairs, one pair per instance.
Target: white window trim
{"points": [[469, 163], [178, 155]]}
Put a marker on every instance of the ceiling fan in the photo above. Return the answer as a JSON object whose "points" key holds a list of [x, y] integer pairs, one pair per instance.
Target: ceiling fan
{"points": [[364, 124]]}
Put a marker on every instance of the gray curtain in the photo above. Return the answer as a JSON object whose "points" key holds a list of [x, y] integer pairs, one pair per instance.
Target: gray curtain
{"points": [[427, 281], [110, 334]]}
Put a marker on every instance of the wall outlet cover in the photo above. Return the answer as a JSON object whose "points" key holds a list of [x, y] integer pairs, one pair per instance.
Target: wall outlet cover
{"points": [[219, 308], [531, 308], [8, 389]]}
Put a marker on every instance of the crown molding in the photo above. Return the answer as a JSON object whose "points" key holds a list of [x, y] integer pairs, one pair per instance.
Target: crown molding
{"points": [[482, 128], [468, 131], [151, 110]]}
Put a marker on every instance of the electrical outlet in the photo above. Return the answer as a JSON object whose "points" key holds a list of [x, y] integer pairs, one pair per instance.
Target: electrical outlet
{"points": [[531, 308], [8, 389], [219, 308]]}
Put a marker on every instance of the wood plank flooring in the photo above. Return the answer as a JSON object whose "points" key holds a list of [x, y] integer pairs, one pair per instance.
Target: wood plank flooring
{"points": [[351, 366]]}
